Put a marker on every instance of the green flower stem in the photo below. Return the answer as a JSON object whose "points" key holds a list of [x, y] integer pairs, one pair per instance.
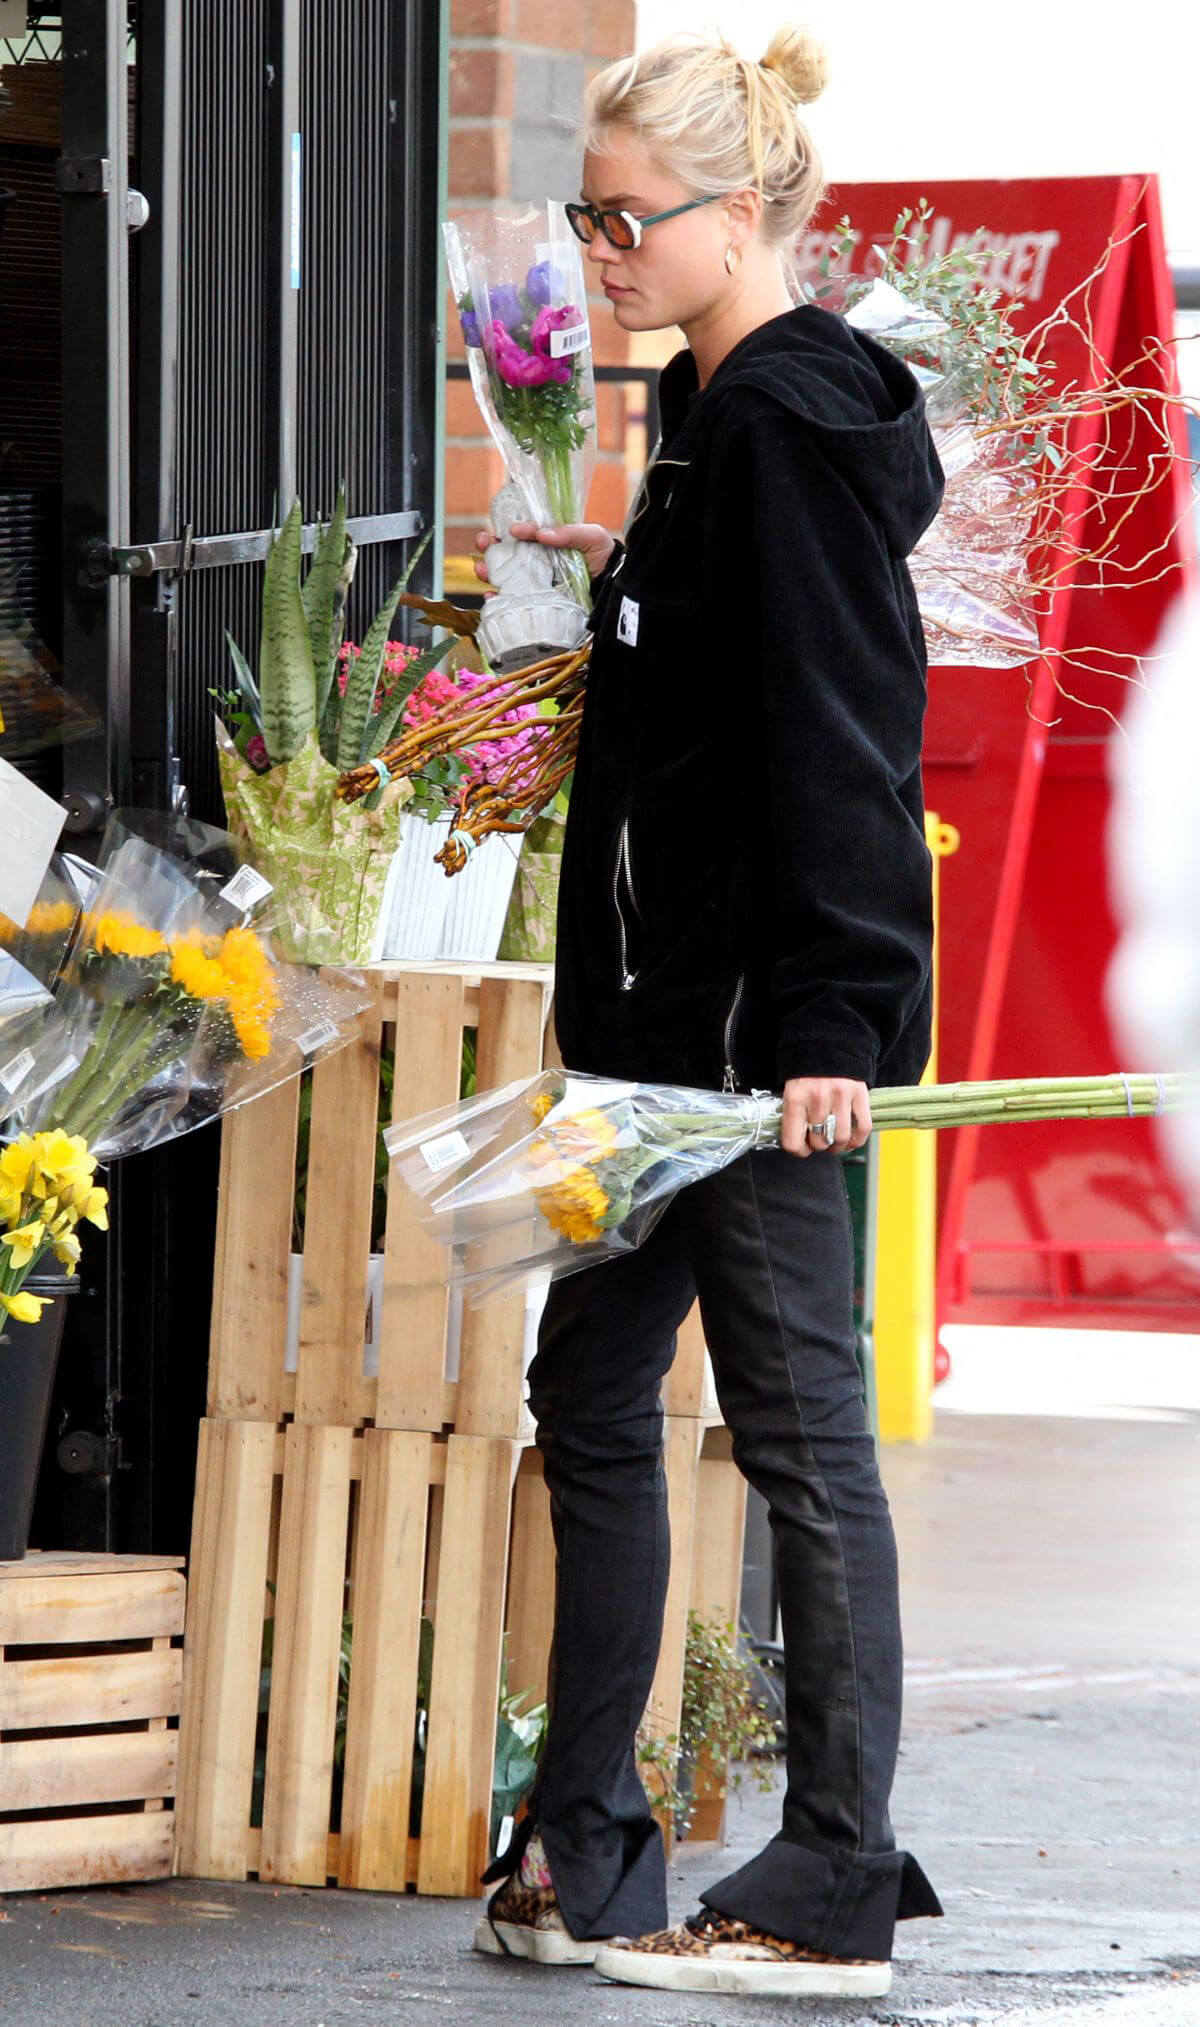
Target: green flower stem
{"points": [[92, 1065], [556, 463], [122, 1074]]}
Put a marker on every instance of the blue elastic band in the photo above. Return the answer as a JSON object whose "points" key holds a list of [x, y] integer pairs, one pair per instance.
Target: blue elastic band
{"points": [[382, 770], [464, 838]]}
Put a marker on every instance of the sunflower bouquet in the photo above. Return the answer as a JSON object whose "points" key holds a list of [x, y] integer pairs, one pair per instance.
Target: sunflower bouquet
{"points": [[546, 1176], [171, 1006]]}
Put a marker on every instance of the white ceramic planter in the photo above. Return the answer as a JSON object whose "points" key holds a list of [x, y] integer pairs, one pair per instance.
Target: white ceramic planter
{"points": [[413, 912], [479, 898]]}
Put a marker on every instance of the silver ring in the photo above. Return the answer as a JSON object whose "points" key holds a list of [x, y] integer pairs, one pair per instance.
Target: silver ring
{"points": [[827, 1128]]}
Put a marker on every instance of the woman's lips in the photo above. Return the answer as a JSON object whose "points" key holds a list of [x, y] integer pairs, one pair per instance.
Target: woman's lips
{"points": [[611, 289]]}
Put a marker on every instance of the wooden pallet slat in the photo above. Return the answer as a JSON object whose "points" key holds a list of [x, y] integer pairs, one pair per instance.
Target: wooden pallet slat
{"points": [[74, 1689], [428, 1015], [250, 1273], [512, 1019], [307, 1648], [531, 1581], [330, 1386], [389, 1569], [465, 1689], [222, 1645]]}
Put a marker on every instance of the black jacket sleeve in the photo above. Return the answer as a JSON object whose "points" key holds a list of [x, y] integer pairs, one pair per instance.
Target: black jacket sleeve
{"points": [[601, 582], [841, 660]]}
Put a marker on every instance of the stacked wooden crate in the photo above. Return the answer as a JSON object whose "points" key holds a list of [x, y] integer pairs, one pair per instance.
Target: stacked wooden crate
{"points": [[329, 1500], [89, 1687]]}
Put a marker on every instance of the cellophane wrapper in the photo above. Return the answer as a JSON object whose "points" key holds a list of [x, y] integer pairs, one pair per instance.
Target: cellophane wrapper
{"points": [[172, 1005], [518, 282], [550, 1174], [970, 568], [31, 960]]}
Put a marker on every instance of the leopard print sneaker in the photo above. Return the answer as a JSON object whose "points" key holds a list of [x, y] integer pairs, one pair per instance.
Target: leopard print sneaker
{"points": [[711, 1952], [524, 1918]]}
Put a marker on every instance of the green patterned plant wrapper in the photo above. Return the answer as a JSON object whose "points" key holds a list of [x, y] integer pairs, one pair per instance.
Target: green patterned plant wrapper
{"points": [[529, 930], [327, 860]]}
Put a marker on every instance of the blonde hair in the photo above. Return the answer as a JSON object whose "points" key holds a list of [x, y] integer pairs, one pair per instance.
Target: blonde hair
{"points": [[719, 122]]}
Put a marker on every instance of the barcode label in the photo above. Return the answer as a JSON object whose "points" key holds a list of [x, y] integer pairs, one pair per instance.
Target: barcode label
{"points": [[15, 1072], [246, 889], [573, 339], [444, 1152], [317, 1037]]}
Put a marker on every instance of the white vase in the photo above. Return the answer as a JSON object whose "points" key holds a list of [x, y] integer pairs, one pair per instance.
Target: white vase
{"points": [[417, 893], [479, 897]]}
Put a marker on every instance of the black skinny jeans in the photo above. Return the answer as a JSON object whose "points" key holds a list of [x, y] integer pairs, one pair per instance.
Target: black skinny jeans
{"points": [[767, 1247]]}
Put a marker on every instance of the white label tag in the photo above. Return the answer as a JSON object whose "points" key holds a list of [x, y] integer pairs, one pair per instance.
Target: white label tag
{"points": [[574, 338], [246, 889], [627, 623], [317, 1037], [15, 1073], [445, 1151], [30, 822]]}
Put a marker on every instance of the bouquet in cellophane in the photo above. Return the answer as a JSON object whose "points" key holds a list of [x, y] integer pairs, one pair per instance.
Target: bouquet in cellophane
{"points": [[518, 282], [171, 1006], [553, 1173]]}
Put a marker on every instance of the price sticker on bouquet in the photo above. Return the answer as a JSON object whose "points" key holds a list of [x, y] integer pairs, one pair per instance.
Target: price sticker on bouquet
{"points": [[575, 338], [445, 1152], [317, 1037], [246, 889], [14, 1073]]}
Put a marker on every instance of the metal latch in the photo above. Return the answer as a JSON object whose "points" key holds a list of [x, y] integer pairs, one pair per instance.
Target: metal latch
{"points": [[83, 175], [214, 552]]}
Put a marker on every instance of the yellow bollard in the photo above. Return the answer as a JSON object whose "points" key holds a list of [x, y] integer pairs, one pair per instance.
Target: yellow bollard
{"points": [[906, 1245]]}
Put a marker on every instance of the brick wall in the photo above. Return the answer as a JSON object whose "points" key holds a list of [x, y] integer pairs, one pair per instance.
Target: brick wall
{"points": [[518, 69]]}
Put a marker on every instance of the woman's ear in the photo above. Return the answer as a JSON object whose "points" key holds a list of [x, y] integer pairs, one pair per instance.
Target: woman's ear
{"points": [[743, 209]]}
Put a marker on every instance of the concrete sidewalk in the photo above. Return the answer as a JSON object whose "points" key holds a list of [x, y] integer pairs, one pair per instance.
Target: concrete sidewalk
{"points": [[1048, 1783]]}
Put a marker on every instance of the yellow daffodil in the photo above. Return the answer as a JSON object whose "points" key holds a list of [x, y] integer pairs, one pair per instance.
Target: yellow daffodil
{"points": [[24, 1241], [63, 1158], [18, 1164], [67, 1249], [23, 1308]]}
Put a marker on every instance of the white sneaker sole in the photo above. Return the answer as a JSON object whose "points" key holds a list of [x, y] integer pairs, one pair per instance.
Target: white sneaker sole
{"points": [[539, 1945], [751, 1976]]}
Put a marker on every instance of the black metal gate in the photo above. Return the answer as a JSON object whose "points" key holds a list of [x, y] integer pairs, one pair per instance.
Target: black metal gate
{"points": [[250, 193]]}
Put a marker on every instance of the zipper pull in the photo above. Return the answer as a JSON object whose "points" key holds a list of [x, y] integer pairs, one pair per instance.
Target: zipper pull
{"points": [[729, 1082]]}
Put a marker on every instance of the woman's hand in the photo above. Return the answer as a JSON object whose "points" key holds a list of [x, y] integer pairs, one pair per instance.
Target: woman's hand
{"points": [[807, 1101], [594, 543]]}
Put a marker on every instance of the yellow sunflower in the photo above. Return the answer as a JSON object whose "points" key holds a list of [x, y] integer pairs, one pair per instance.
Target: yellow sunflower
{"points": [[116, 935], [574, 1206]]}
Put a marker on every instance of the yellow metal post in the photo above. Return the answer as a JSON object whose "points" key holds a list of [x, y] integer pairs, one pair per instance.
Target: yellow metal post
{"points": [[905, 1260]]}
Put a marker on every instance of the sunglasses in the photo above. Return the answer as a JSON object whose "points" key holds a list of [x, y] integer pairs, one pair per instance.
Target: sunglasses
{"points": [[620, 228]]}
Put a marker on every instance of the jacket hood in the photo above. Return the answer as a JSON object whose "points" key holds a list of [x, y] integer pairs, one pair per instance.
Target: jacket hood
{"points": [[861, 403]]}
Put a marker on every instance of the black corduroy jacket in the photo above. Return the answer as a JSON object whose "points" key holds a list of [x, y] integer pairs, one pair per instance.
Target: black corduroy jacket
{"points": [[746, 889]]}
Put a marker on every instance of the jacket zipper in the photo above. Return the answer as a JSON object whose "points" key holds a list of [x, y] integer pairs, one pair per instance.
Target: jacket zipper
{"points": [[729, 1082], [642, 499], [623, 862]]}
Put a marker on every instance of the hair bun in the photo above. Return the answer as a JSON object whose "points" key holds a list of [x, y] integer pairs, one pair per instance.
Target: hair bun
{"points": [[799, 59]]}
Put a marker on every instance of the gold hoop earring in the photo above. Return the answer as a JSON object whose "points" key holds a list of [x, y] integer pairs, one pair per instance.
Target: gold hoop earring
{"points": [[733, 259]]}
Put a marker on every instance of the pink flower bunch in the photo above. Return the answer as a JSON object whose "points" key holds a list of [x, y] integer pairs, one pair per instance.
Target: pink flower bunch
{"points": [[438, 690], [396, 658], [520, 368]]}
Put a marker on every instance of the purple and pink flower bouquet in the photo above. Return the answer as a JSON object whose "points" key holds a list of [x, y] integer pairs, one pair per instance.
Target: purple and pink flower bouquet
{"points": [[518, 283]]}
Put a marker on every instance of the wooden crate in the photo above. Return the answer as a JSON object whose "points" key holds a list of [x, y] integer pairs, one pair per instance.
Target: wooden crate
{"points": [[90, 1670], [323, 1492]]}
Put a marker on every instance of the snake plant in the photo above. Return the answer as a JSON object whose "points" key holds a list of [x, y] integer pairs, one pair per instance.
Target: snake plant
{"points": [[303, 627]]}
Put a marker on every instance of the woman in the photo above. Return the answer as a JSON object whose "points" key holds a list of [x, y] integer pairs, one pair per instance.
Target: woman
{"points": [[745, 902]]}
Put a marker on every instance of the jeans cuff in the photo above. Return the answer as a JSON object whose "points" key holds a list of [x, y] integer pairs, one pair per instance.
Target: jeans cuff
{"points": [[841, 1903]]}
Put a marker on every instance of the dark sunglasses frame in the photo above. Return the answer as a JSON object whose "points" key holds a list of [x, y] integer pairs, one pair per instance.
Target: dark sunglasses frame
{"points": [[636, 226]]}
